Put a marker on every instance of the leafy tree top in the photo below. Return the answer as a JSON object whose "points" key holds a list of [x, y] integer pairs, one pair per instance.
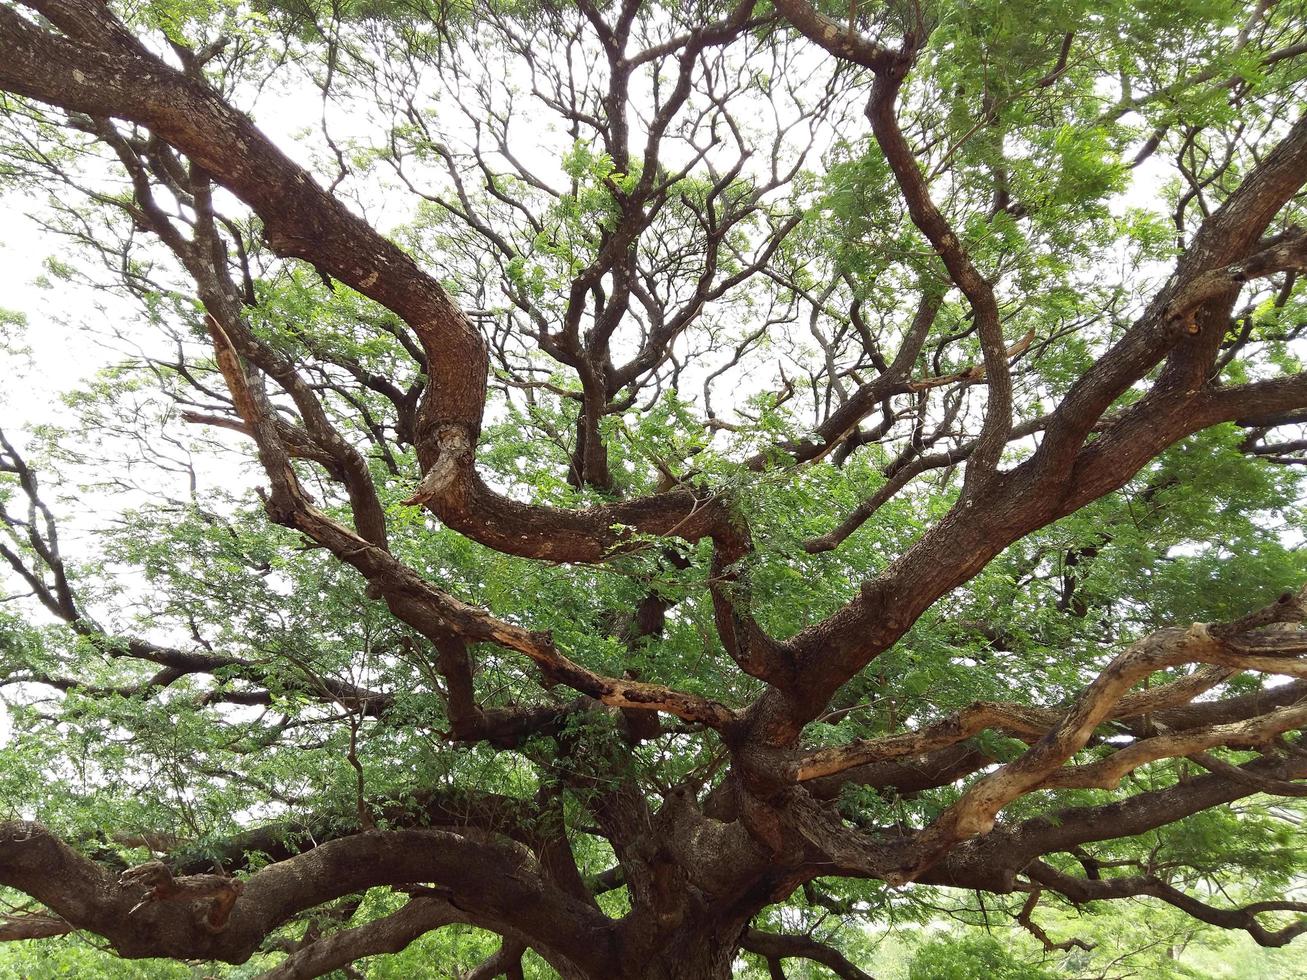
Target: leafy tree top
{"points": [[658, 484]]}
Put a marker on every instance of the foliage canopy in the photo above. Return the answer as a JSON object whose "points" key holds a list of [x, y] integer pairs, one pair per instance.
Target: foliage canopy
{"points": [[654, 490]]}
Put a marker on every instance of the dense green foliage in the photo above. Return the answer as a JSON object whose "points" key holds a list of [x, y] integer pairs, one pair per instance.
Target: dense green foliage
{"points": [[1073, 183]]}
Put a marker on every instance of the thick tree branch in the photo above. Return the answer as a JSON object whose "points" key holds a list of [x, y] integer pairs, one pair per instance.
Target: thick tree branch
{"points": [[1085, 890], [773, 946], [388, 934]]}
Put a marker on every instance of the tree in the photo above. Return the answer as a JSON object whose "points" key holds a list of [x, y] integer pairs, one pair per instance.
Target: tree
{"points": [[769, 475]]}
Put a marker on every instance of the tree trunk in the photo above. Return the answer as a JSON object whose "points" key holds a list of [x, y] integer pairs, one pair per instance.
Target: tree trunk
{"points": [[698, 952], [697, 959]]}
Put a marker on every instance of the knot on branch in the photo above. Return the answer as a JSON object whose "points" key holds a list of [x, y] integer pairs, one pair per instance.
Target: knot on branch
{"points": [[1287, 611], [280, 506], [1286, 252], [453, 453], [217, 893]]}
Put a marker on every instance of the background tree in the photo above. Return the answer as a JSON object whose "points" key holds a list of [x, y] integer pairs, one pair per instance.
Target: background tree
{"points": [[588, 587]]}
